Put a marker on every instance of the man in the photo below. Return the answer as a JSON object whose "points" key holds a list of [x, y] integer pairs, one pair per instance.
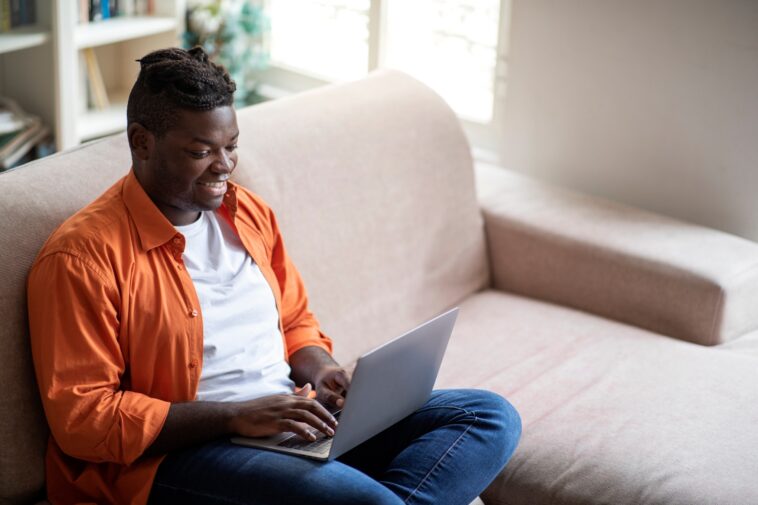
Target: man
{"points": [[166, 317]]}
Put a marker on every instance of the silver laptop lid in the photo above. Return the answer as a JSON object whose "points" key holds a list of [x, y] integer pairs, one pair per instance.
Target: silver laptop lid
{"points": [[392, 381]]}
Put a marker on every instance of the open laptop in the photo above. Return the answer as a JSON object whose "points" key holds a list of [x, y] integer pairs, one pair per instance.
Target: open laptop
{"points": [[389, 383]]}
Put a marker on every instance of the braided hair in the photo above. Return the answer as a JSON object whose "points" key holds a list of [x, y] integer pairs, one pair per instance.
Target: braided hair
{"points": [[171, 79]]}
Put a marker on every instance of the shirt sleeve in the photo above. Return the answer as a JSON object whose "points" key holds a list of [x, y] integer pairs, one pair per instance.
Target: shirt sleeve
{"points": [[301, 329], [74, 328]]}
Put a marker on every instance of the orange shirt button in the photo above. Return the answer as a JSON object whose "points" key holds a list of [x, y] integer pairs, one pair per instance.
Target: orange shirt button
{"points": [[177, 240], [193, 363], [193, 313]]}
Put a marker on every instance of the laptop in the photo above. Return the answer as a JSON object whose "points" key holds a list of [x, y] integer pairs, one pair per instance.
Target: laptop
{"points": [[389, 383]]}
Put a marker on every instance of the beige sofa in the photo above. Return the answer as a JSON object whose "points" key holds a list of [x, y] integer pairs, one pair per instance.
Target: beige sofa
{"points": [[628, 341]]}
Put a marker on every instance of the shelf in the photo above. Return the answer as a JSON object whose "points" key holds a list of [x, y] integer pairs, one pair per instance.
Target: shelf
{"points": [[95, 123], [23, 38], [42, 66], [120, 29]]}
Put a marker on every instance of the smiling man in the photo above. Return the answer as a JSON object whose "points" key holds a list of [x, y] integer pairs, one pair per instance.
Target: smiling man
{"points": [[166, 316]]}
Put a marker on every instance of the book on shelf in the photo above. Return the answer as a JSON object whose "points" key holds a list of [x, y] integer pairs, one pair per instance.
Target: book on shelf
{"points": [[100, 10], [12, 117], [97, 91], [15, 147], [20, 133], [17, 13]]}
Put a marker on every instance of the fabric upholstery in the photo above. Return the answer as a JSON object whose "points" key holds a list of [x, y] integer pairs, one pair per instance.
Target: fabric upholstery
{"points": [[673, 278], [747, 345], [611, 413], [382, 220], [36, 199], [372, 184]]}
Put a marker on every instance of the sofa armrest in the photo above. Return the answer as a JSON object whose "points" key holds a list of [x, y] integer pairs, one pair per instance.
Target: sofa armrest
{"points": [[674, 278]]}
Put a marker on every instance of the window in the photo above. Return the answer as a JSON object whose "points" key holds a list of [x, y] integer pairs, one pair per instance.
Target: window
{"points": [[451, 45], [324, 38]]}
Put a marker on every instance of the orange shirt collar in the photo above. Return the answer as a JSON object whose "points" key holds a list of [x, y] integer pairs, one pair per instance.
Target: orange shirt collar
{"points": [[153, 227]]}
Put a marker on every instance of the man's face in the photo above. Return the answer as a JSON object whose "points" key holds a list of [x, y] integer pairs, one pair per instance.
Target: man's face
{"points": [[186, 170]]}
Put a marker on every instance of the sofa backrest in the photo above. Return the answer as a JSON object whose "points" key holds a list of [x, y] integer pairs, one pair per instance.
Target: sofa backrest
{"points": [[372, 184]]}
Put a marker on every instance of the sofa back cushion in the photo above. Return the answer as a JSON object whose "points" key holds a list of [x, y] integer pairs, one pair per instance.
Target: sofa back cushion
{"points": [[372, 184], [35, 200]]}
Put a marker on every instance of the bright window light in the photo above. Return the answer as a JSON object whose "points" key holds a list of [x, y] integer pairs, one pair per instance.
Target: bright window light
{"points": [[451, 45], [324, 38]]}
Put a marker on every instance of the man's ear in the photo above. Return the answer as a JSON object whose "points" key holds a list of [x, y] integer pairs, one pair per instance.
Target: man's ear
{"points": [[141, 141]]}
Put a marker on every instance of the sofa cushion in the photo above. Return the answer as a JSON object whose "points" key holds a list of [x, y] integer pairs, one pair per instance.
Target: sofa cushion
{"points": [[36, 199], [373, 186], [747, 345], [611, 413]]}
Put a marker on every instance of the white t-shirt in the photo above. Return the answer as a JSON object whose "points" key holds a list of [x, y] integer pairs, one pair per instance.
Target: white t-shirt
{"points": [[243, 352]]}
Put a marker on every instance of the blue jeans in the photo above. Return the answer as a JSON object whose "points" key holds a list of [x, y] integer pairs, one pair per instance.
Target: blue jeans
{"points": [[447, 452]]}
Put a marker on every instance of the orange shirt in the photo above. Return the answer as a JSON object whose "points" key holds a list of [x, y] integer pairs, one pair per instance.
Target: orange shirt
{"points": [[117, 334]]}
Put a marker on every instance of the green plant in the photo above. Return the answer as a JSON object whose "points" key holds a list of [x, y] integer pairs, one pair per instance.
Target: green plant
{"points": [[235, 34]]}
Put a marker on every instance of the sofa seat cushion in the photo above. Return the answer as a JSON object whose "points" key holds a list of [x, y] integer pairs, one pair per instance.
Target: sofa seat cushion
{"points": [[746, 345], [612, 413]]}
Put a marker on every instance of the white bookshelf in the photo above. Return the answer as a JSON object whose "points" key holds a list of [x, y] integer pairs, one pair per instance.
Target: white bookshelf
{"points": [[42, 67], [26, 66], [122, 29], [117, 42], [94, 123], [23, 38]]}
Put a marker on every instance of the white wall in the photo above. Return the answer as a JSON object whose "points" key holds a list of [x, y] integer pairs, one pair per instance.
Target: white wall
{"points": [[649, 102]]}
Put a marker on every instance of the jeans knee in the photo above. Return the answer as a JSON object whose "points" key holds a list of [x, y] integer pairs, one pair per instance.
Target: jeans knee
{"points": [[501, 419]]}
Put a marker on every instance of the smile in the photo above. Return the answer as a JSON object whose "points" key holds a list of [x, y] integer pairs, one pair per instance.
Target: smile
{"points": [[217, 185]]}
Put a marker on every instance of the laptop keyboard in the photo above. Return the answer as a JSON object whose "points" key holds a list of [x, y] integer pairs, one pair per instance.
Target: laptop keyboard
{"points": [[319, 445]]}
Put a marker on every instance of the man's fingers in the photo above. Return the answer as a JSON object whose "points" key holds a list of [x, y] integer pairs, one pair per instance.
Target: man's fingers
{"points": [[342, 379], [300, 429], [308, 418], [297, 412], [332, 398], [333, 389], [317, 409]]}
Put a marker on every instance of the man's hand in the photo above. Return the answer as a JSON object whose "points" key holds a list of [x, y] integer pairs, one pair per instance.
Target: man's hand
{"points": [[314, 365], [332, 383], [192, 423], [274, 414], [195, 422]]}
